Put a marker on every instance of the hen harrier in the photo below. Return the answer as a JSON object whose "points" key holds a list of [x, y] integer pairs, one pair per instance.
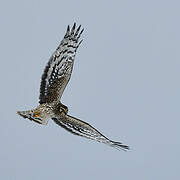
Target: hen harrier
{"points": [[53, 82]]}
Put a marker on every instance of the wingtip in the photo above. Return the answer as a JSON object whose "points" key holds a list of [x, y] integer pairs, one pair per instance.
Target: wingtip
{"points": [[73, 31], [74, 26], [79, 27], [67, 31], [77, 31], [120, 146], [68, 28], [82, 31]]}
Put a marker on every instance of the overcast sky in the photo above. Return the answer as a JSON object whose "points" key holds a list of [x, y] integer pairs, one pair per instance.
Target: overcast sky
{"points": [[125, 83]]}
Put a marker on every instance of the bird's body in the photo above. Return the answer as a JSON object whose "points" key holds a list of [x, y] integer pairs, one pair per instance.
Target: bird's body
{"points": [[53, 82]]}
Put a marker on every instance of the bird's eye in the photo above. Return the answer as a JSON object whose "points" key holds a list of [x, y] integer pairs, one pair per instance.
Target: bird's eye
{"points": [[36, 115]]}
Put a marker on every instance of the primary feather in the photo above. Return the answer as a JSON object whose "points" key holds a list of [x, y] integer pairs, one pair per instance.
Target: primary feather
{"points": [[81, 128], [59, 68]]}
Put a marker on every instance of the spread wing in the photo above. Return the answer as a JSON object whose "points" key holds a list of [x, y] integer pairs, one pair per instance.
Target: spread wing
{"points": [[84, 129], [59, 68]]}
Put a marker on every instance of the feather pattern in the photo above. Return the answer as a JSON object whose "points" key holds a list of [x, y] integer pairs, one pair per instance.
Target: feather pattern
{"points": [[59, 68], [84, 129], [53, 82]]}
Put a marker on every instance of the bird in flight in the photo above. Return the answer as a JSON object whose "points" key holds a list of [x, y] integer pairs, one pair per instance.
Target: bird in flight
{"points": [[53, 82]]}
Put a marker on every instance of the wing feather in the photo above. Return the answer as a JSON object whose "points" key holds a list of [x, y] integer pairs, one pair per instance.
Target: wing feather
{"points": [[59, 68], [84, 129]]}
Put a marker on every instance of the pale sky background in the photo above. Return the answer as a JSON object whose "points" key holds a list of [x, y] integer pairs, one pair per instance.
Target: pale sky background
{"points": [[125, 83]]}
